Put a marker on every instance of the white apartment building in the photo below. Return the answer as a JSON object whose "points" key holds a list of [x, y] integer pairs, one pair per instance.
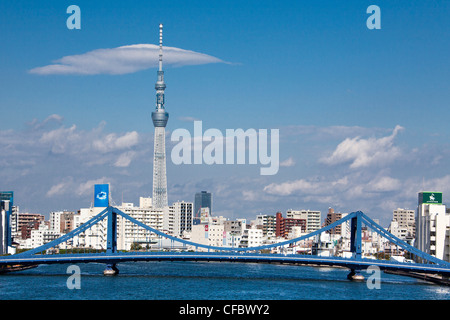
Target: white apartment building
{"points": [[251, 238], [433, 226], [3, 240], [232, 240], [55, 220], [13, 227], [129, 233], [94, 237], [398, 231], [178, 218], [209, 234], [217, 232], [145, 202], [312, 218], [296, 232]]}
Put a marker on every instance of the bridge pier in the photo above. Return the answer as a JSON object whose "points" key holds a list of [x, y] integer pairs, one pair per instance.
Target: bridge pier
{"points": [[111, 270], [355, 275]]}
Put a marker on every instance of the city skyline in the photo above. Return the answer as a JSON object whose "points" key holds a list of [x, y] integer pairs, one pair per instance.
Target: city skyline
{"points": [[362, 113]]}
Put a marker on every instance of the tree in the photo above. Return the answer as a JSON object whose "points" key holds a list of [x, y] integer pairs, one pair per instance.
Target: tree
{"points": [[135, 246]]}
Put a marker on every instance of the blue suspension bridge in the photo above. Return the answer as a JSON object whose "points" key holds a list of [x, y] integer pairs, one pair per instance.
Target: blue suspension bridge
{"points": [[429, 267]]}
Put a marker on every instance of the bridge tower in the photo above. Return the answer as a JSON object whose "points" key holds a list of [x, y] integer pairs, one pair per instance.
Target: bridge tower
{"points": [[355, 244], [111, 241]]}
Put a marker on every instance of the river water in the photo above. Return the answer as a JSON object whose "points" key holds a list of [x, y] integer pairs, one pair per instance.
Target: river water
{"points": [[208, 281]]}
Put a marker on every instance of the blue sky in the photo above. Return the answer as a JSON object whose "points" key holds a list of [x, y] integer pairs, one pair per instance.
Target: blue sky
{"points": [[312, 69]]}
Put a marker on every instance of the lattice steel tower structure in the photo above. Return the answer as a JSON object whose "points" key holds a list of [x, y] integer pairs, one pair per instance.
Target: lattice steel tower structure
{"points": [[160, 117]]}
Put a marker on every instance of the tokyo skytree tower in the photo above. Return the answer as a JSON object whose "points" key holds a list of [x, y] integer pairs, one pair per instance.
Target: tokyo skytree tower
{"points": [[160, 117]]}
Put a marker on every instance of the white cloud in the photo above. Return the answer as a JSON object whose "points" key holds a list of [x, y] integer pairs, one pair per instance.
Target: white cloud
{"points": [[113, 142], [49, 160], [306, 187], [365, 152], [124, 159], [250, 195], [88, 145], [57, 189], [36, 124], [60, 188], [289, 162], [88, 186], [61, 139], [122, 60], [383, 184]]}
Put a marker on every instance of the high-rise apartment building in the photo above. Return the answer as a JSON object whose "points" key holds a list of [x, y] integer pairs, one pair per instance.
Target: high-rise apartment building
{"points": [[202, 200], [7, 205], [267, 223], [3, 232], [61, 221], [178, 218], [283, 226], [129, 233], [333, 217], [433, 225], [312, 218], [94, 237], [403, 224]]}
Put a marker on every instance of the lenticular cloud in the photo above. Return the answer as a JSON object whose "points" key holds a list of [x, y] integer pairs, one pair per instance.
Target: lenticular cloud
{"points": [[122, 60]]}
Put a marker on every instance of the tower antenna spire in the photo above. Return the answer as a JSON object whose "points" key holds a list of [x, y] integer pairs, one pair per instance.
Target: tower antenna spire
{"points": [[160, 86], [160, 45]]}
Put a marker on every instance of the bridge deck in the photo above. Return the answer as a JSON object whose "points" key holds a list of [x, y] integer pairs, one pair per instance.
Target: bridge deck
{"points": [[111, 258]]}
